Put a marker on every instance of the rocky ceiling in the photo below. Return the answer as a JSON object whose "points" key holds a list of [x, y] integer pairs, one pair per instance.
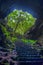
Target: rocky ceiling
{"points": [[6, 6]]}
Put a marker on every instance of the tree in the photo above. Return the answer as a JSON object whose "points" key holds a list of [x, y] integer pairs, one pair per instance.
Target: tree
{"points": [[18, 23]]}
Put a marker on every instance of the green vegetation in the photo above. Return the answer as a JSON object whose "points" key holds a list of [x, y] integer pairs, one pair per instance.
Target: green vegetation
{"points": [[18, 23], [7, 34], [29, 41]]}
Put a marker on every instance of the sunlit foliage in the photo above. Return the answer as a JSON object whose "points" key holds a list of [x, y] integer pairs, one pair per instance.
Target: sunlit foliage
{"points": [[32, 42], [18, 22]]}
